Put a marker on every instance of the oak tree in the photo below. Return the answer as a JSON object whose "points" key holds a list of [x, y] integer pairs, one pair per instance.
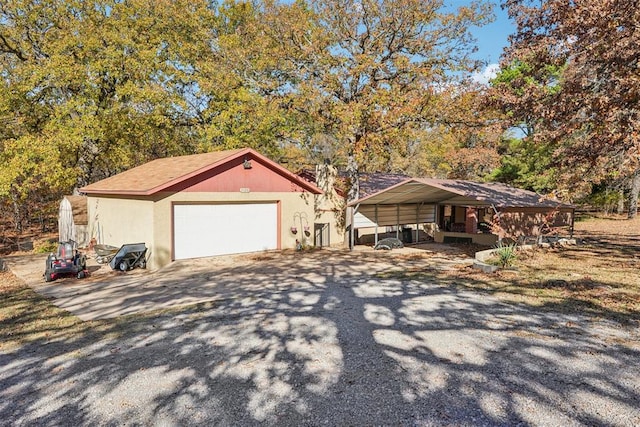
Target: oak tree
{"points": [[369, 72], [91, 88], [589, 110]]}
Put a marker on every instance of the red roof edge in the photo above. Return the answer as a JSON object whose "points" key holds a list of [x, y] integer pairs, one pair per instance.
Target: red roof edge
{"points": [[232, 156]]}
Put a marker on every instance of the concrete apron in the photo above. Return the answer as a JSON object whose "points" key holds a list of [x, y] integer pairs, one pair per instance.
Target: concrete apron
{"points": [[109, 294]]}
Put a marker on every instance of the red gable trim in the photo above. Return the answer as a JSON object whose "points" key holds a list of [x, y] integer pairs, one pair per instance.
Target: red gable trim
{"points": [[251, 154]]}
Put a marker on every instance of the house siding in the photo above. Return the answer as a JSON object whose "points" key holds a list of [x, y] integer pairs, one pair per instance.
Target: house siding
{"points": [[116, 221], [292, 208], [528, 221], [232, 176]]}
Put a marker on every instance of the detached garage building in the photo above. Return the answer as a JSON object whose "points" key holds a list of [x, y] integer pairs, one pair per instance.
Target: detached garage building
{"points": [[202, 205]]}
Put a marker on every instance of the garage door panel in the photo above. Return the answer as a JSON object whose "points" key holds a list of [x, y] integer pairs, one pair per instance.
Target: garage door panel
{"points": [[217, 229]]}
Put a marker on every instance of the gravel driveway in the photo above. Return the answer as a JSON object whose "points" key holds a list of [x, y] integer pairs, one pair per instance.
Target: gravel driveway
{"points": [[324, 339]]}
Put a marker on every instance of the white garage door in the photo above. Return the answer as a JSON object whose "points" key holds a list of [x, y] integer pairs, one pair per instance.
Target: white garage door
{"points": [[208, 230]]}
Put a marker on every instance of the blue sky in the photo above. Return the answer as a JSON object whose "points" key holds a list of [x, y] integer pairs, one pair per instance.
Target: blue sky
{"points": [[491, 39]]}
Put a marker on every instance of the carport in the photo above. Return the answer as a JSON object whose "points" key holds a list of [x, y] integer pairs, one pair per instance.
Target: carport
{"points": [[458, 207]]}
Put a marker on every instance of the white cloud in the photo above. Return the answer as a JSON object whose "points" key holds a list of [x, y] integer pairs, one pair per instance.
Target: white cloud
{"points": [[489, 72]]}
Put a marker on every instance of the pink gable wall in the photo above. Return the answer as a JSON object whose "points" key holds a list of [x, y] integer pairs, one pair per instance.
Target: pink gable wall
{"points": [[232, 176]]}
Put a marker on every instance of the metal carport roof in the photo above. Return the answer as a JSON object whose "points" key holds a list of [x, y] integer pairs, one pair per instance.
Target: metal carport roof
{"points": [[414, 193], [456, 192]]}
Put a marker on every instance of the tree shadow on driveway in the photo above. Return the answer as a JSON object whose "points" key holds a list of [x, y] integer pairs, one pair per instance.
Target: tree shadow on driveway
{"points": [[323, 339]]}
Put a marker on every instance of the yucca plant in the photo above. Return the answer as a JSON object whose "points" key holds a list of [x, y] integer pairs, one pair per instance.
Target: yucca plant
{"points": [[507, 254]]}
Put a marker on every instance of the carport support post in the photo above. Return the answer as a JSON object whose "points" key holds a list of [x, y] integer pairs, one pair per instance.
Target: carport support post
{"points": [[376, 218], [417, 220], [398, 222], [496, 220]]}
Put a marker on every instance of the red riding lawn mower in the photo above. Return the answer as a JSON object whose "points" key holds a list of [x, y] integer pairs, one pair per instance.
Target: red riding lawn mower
{"points": [[67, 262]]}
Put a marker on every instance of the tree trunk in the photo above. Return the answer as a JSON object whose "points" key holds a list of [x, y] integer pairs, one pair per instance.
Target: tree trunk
{"points": [[352, 194], [354, 179], [17, 215], [633, 195], [620, 206]]}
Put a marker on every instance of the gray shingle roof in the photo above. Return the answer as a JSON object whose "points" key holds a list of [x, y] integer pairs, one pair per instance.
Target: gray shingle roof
{"points": [[457, 192]]}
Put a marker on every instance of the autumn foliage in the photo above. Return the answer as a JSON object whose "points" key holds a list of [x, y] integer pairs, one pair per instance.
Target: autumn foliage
{"points": [[571, 76], [92, 88]]}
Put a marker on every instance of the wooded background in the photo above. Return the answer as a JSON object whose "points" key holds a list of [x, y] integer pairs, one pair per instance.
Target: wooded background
{"points": [[92, 88]]}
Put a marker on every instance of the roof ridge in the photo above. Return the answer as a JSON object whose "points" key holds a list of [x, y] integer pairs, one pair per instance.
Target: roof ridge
{"points": [[160, 174]]}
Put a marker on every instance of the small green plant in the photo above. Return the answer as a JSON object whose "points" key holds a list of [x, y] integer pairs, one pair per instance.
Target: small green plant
{"points": [[507, 254], [45, 247]]}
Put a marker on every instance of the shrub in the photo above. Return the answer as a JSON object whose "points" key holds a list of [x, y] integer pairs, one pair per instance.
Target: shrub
{"points": [[506, 254], [45, 246]]}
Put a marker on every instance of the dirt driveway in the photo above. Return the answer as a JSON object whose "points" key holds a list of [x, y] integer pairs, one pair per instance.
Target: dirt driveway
{"points": [[322, 338], [108, 294]]}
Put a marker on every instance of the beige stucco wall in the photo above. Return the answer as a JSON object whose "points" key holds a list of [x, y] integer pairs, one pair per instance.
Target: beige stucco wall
{"points": [[116, 221], [295, 209], [335, 219], [329, 206]]}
